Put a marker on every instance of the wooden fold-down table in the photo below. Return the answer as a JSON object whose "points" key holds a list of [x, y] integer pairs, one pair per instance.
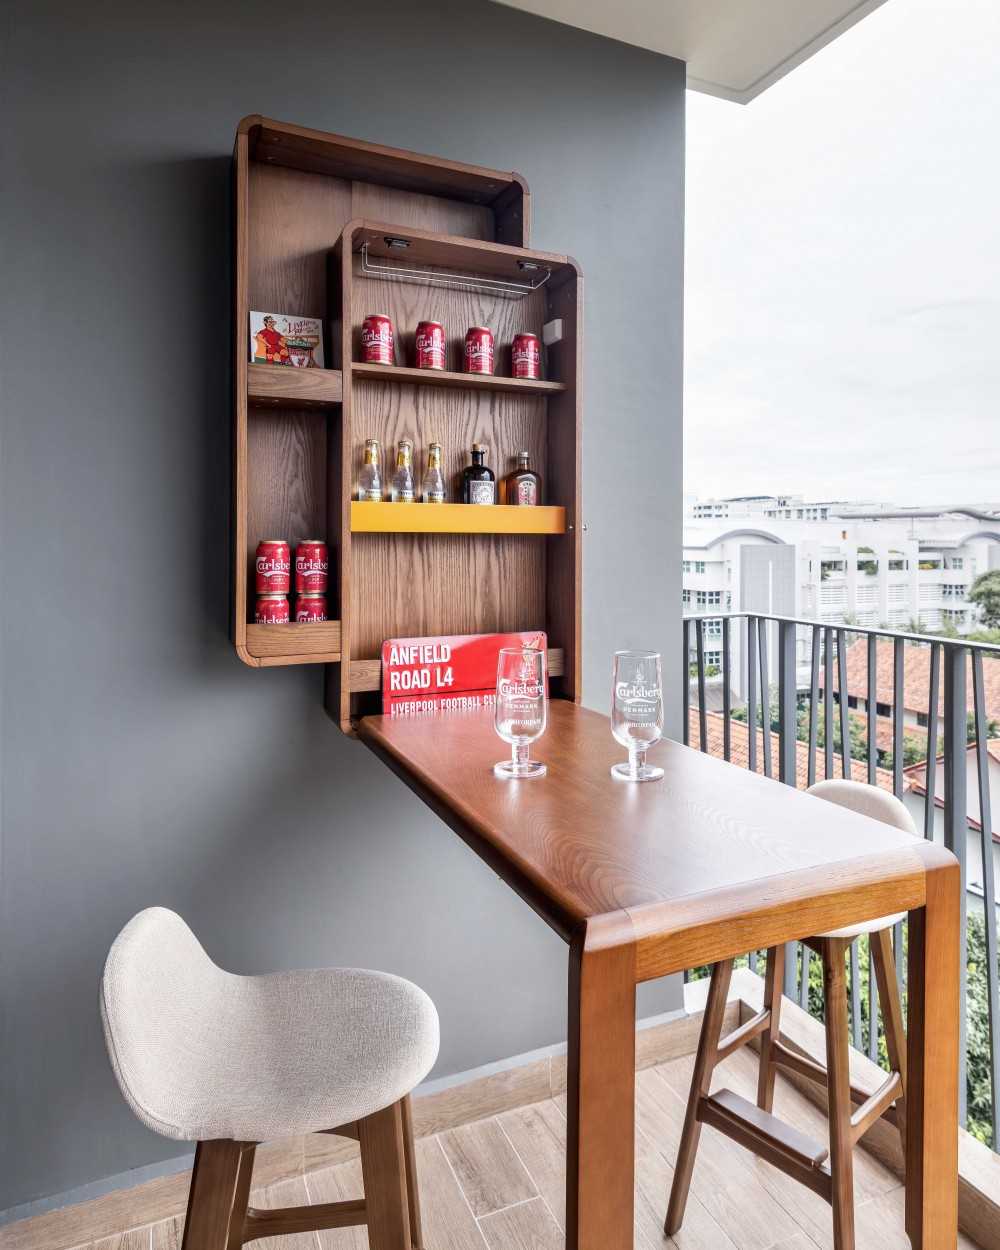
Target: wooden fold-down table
{"points": [[645, 880]]}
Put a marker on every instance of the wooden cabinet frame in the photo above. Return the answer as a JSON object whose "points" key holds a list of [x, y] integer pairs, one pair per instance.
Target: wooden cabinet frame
{"points": [[307, 204]]}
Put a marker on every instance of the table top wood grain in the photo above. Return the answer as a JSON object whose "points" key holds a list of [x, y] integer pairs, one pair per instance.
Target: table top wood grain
{"points": [[709, 843]]}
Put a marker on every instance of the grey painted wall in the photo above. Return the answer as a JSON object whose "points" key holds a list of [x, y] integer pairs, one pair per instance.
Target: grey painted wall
{"points": [[142, 762]]}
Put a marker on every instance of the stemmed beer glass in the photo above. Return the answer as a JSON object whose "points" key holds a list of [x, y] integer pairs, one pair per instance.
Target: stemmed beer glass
{"points": [[521, 710], [637, 711]]}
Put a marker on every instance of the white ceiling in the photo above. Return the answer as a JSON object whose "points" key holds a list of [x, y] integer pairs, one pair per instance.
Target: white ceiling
{"points": [[733, 48]]}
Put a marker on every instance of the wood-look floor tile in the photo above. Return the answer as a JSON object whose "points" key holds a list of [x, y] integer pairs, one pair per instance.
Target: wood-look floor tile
{"points": [[653, 1178], [338, 1184], [168, 1234], [487, 1167], [799, 1242], [447, 1220], [527, 1226], [538, 1134], [134, 1239]]}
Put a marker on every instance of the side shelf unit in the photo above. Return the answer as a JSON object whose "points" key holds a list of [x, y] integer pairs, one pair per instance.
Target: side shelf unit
{"points": [[335, 228]]}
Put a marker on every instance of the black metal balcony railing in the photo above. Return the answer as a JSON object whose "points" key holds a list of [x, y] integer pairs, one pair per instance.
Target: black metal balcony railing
{"points": [[812, 708]]}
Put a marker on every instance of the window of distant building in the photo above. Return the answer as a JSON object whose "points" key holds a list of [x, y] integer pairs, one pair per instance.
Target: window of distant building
{"points": [[922, 719], [685, 596], [898, 566], [709, 598], [883, 709], [713, 629], [852, 700], [956, 562], [713, 659]]}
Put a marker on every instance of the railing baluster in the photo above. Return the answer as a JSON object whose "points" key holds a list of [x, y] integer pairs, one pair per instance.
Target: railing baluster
{"points": [[752, 693], [828, 702], [787, 747], [930, 768], [752, 961], [872, 702], [765, 694], [989, 886], [813, 705], [804, 983], [686, 641], [956, 825], [845, 724], [872, 1008], [702, 718], [727, 697], [898, 699], [856, 1037]]}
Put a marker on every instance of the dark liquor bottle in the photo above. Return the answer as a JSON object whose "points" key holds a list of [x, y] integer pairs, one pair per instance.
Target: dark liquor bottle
{"points": [[522, 485], [478, 482]]}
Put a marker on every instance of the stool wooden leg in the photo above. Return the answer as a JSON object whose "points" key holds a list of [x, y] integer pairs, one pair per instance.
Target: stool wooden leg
{"points": [[383, 1170], [773, 982], [884, 966], [412, 1188], [219, 1195], [704, 1065], [839, 1077]]}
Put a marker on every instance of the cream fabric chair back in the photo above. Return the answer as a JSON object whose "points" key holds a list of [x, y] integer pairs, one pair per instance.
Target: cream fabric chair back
{"points": [[159, 994]]}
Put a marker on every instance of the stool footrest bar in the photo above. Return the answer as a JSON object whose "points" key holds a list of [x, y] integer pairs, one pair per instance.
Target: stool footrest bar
{"points": [[281, 1221], [767, 1136]]}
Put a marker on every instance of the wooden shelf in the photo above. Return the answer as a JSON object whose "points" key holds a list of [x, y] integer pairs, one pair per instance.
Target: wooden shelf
{"points": [[366, 675], [455, 518], [457, 381], [281, 386], [315, 643]]}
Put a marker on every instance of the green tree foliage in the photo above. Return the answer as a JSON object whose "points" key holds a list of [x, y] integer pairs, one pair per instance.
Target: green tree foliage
{"points": [[985, 594]]}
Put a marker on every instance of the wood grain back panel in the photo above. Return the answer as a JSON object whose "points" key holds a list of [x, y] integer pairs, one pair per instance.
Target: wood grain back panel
{"points": [[295, 219], [423, 212], [408, 303], [286, 496], [415, 585], [578, 843]]}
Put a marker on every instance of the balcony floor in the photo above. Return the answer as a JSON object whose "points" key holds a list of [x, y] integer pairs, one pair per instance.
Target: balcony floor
{"points": [[498, 1183]]}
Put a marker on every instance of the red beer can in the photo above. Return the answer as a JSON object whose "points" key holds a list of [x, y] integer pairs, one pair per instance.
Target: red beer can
{"points": [[479, 350], [376, 340], [310, 608], [526, 356], [312, 566], [272, 610], [274, 567], [430, 345]]}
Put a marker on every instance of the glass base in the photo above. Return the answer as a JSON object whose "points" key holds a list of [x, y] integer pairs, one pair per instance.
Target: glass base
{"points": [[644, 772], [509, 770]]}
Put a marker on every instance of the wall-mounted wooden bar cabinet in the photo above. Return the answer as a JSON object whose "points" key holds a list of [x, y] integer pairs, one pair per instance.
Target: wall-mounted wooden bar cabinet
{"points": [[335, 228]]}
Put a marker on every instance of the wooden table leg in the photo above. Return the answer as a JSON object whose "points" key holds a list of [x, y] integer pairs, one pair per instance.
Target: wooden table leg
{"points": [[600, 1094], [932, 1067]]}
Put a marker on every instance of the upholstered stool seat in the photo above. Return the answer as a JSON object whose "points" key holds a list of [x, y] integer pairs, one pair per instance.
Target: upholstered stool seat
{"points": [[202, 1054]]}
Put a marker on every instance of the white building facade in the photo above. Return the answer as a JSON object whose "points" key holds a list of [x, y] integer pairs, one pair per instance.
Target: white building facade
{"points": [[849, 564]]}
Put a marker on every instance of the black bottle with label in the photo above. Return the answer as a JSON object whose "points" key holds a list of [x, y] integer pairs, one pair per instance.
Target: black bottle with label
{"points": [[479, 485]]}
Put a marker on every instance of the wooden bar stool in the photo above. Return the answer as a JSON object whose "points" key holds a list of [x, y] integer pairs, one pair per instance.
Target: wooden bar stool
{"points": [[830, 1172], [231, 1061]]}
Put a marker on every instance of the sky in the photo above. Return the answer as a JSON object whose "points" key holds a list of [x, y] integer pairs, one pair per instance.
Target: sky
{"points": [[842, 308]]}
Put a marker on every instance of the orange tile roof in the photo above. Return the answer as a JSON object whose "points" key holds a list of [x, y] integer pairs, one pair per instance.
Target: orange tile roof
{"points": [[740, 752], [916, 677]]}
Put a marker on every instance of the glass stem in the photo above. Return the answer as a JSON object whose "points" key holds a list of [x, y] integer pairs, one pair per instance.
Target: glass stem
{"points": [[636, 760], [519, 754]]}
